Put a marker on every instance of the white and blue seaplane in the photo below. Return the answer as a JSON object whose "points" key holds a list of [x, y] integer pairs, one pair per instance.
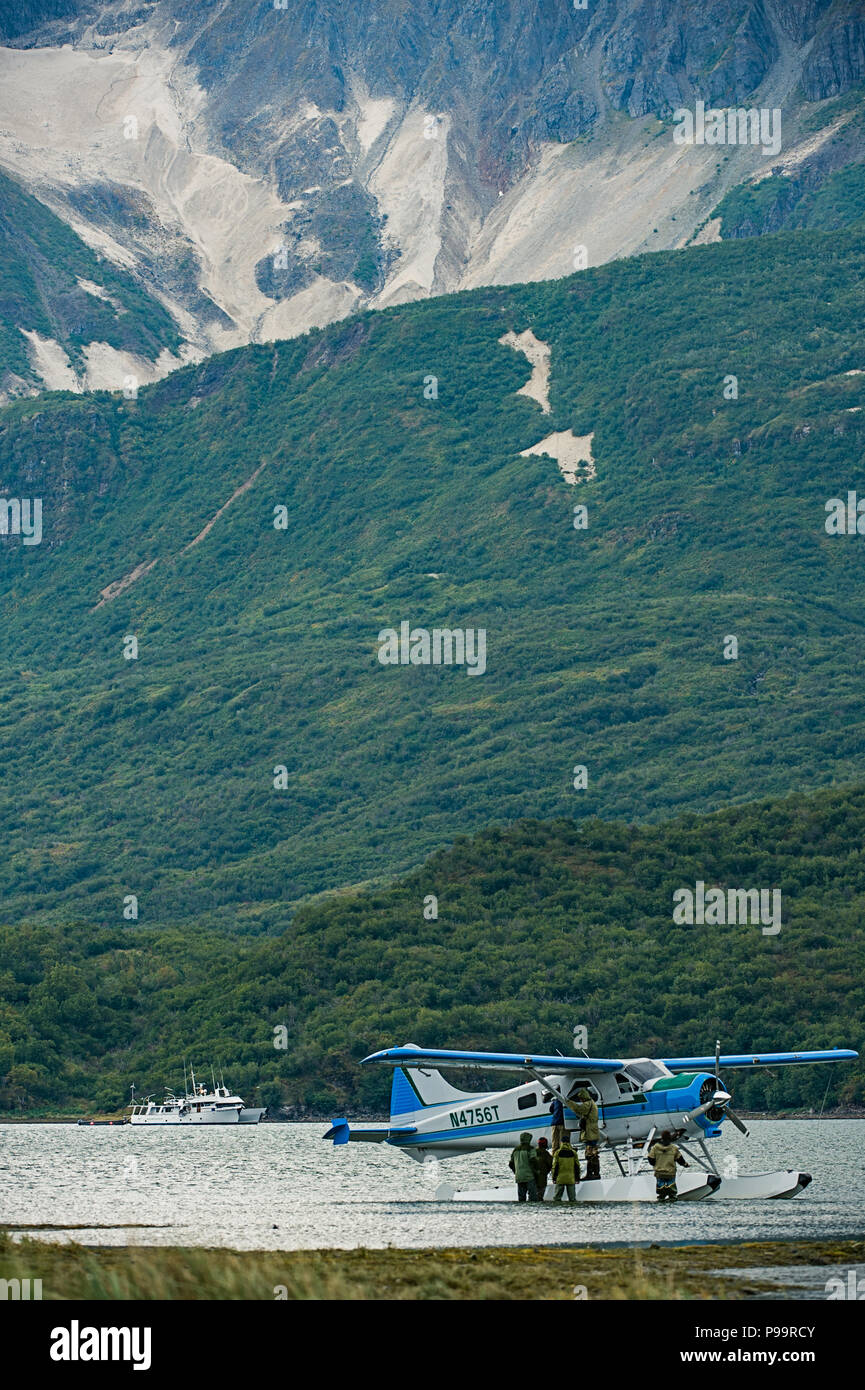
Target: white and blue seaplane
{"points": [[637, 1100]]}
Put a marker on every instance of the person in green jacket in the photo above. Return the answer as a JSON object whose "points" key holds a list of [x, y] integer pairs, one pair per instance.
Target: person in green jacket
{"points": [[590, 1131], [663, 1157], [545, 1163], [566, 1171], [524, 1166]]}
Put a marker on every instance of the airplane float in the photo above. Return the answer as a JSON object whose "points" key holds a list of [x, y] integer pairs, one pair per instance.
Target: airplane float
{"points": [[637, 1099]]}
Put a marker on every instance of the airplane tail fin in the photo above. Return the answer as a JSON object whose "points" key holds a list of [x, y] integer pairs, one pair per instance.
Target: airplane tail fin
{"points": [[413, 1090]]}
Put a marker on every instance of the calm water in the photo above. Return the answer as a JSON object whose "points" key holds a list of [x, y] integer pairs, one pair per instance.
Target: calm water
{"points": [[280, 1186]]}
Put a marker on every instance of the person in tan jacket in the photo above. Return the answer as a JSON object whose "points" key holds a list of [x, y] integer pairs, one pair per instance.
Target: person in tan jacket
{"points": [[663, 1157], [523, 1163], [566, 1171], [590, 1131]]}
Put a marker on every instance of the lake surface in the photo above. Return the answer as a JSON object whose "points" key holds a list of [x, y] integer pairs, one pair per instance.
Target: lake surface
{"points": [[279, 1186]]}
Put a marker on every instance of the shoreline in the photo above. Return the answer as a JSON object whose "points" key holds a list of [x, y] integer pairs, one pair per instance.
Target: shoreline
{"points": [[851, 1112], [702, 1271], [8, 1230]]}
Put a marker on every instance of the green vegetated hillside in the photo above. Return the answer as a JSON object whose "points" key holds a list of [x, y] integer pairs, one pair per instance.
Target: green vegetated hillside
{"points": [[825, 190], [257, 646], [541, 926], [41, 263], [778, 201]]}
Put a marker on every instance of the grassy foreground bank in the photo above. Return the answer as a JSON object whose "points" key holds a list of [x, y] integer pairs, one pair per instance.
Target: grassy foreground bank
{"points": [[152, 1272]]}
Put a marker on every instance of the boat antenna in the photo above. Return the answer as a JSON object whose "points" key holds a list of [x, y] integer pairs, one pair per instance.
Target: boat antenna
{"points": [[212, 1077], [192, 1074]]}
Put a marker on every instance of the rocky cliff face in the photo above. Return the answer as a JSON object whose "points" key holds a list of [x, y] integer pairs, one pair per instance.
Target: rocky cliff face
{"points": [[267, 165], [26, 18], [836, 61]]}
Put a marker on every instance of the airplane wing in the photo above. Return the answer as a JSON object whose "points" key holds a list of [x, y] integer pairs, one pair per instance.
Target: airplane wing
{"points": [[759, 1059], [503, 1061]]}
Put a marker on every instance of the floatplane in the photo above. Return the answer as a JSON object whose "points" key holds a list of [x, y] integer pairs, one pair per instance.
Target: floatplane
{"points": [[637, 1099]]}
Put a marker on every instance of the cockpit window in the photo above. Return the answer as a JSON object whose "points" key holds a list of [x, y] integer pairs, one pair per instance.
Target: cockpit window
{"points": [[644, 1071]]}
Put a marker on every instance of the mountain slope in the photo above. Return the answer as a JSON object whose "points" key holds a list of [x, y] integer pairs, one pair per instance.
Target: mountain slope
{"points": [[263, 170], [824, 188], [54, 290], [540, 927], [255, 523]]}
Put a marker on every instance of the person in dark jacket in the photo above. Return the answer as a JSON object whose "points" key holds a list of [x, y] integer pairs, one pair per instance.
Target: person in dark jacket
{"points": [[545, 1163], [566, 1172], [558, 1113], [524, 1166]]}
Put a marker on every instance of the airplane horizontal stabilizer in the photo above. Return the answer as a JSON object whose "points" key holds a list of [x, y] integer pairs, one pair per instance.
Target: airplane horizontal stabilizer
{"points": [[759, 1059], [341, 1133]]}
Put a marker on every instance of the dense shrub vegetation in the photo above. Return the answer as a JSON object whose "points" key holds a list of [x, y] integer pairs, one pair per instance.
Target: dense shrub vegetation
{"points": [[540, 926], [257, 648]]}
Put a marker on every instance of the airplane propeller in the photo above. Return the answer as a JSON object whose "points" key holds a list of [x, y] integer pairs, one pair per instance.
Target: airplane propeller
{"points": [[729, 1114], [734, 1118], [719, 1099]]}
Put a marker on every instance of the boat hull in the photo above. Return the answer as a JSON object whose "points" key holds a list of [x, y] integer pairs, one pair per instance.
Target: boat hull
{"points": [[206, 1117]]}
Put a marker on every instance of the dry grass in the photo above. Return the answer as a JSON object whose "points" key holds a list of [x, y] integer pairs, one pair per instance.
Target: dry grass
{"points": [[173, 1273]]}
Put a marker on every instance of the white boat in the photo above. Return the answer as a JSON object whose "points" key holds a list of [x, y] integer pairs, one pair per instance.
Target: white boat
{"points": [[197, 1107]]}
